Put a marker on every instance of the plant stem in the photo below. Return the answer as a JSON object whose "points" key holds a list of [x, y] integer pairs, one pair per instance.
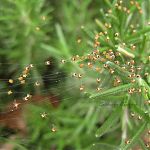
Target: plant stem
{"points": [[125, 120]]}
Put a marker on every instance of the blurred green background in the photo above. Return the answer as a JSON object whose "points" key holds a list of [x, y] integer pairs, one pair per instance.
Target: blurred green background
{"points": [[32, 32]]}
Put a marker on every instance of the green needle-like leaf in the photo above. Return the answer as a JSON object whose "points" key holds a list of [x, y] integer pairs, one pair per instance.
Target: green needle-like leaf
{"points": [[118, 69], [109, 122], [140, 112], [135, 137], [139, 33], [112, 91]]}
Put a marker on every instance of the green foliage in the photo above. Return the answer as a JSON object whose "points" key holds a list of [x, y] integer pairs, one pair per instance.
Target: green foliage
{"points": [[109, 122], [134, 138], [26, 27], [27, 37]]}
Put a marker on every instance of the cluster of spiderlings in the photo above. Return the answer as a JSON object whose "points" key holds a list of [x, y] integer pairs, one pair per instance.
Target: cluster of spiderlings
{"points": [[20, 81], [25, 78], [21, 78], [119, 5], [101, 61]]}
